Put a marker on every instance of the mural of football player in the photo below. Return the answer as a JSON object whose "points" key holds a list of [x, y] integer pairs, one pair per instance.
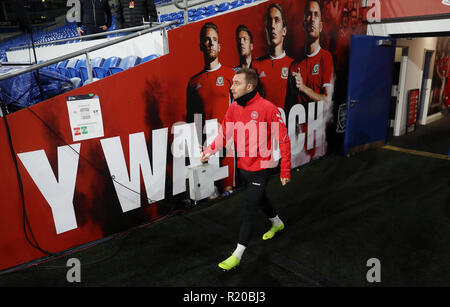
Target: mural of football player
{"points": [[273, 68], [244, 44], [208, 92], [311, 78]]}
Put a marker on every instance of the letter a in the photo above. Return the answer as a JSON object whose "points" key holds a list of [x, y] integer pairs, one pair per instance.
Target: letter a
{"points": [[74, 273], [374, 13], [374, 274]]}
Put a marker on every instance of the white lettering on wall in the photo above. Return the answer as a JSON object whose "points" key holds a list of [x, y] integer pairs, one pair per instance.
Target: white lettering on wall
{"points": [[57, 192], [212, 129], [315, 125], [297, 116], [128, 187]]}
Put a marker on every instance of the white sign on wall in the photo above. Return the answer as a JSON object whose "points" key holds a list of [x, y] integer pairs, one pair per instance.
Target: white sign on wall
{"points": [[85, 117]]}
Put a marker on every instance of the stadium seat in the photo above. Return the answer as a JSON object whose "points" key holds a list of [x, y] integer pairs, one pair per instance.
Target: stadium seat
{"points": [[125, 63], [201, 11], [52, 67], [70, 71], [192, 12], [101, 72], [97, 62], [164, 17], [62, 64], [223, 7], [75, 71], [236, 3], [195, 18]]}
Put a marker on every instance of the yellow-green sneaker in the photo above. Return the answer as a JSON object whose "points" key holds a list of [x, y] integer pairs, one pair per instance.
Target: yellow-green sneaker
{"points": [[229, 263], [272, 231]]}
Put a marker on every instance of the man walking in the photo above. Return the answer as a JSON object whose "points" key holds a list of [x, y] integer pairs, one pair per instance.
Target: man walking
{"points": [[252, 121]]}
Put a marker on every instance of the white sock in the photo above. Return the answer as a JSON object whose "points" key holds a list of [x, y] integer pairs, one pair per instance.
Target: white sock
{"points": [[275, 221], [239, 251]]}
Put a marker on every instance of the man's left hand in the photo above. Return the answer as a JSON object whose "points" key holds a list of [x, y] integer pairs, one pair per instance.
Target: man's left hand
{"points": [[285, 181], [104, 28]]}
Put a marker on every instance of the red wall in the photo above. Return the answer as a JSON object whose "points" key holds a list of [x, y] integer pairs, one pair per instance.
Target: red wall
{"points": [[410, 8], [140, 99]]}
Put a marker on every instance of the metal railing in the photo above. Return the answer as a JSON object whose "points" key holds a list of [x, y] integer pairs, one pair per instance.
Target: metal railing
{"points": [[102, 34], [186, 7], [85, 51]]}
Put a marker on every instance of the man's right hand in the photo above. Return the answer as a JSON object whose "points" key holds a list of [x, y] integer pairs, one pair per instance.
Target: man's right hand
{"points": [[298, 80], [204, 157], [80, 32]]}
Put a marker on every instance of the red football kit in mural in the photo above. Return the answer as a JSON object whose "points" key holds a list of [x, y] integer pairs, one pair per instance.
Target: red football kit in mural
{"points": [[257, 115], [273, 74], [208, 93], [317, 72]]}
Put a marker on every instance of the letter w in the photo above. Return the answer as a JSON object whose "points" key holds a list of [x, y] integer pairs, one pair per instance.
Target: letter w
{"points": [[128, 187]]}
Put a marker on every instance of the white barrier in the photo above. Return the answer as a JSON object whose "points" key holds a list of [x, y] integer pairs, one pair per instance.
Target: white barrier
{"points": [[150, 43]]}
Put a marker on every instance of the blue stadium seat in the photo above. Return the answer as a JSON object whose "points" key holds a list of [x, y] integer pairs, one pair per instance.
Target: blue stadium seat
{"points": [[201, 11], [125, 63], [62, 67], [96, 62], [192, 12], [101, 72], [72, 67], [62, 64], [52, 68], [223, 7], [236, 3], [77, 71], [195, 18], [164, 17]]}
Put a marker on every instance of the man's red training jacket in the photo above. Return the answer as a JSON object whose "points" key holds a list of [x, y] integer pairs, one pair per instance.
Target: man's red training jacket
{"points": [[252, 127]]}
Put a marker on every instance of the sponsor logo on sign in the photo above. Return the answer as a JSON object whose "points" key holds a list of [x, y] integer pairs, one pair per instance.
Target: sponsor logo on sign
{"points": [[219, 81], [446, 2]]}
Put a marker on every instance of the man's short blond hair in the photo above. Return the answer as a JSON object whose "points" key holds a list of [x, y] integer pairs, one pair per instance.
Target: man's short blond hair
{"points": [[250, 75]]}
